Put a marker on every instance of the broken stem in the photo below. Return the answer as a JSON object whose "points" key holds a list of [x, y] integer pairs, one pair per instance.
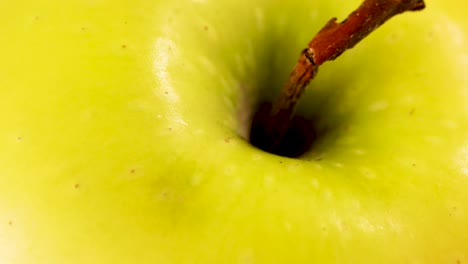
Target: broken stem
{"points": [[330, 42]]}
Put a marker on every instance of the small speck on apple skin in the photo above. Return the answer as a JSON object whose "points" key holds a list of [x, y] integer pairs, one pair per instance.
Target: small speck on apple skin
{"points": [[164, 194], [453, 210]]}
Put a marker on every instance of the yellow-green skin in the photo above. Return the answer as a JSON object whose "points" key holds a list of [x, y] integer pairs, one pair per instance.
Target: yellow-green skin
{"points": [[121, 135]]}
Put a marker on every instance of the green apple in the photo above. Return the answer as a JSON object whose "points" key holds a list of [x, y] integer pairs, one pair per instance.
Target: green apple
{"points": [[124, 124]]}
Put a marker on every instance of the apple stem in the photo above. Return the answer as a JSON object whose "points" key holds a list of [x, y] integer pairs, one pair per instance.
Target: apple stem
{"points": [[329, 43]]}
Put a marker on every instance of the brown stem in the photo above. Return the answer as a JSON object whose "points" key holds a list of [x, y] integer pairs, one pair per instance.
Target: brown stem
{"points": [[330, 42]]}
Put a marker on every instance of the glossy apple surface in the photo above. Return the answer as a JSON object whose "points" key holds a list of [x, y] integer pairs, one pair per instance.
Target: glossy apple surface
{"points": [[123, 124]]}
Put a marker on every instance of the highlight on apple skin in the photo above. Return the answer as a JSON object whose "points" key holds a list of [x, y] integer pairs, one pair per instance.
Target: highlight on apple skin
{"points": [[124, 129]]}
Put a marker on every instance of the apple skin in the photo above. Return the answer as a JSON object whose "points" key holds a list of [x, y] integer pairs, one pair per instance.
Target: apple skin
{"points": [[123, 126]]}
